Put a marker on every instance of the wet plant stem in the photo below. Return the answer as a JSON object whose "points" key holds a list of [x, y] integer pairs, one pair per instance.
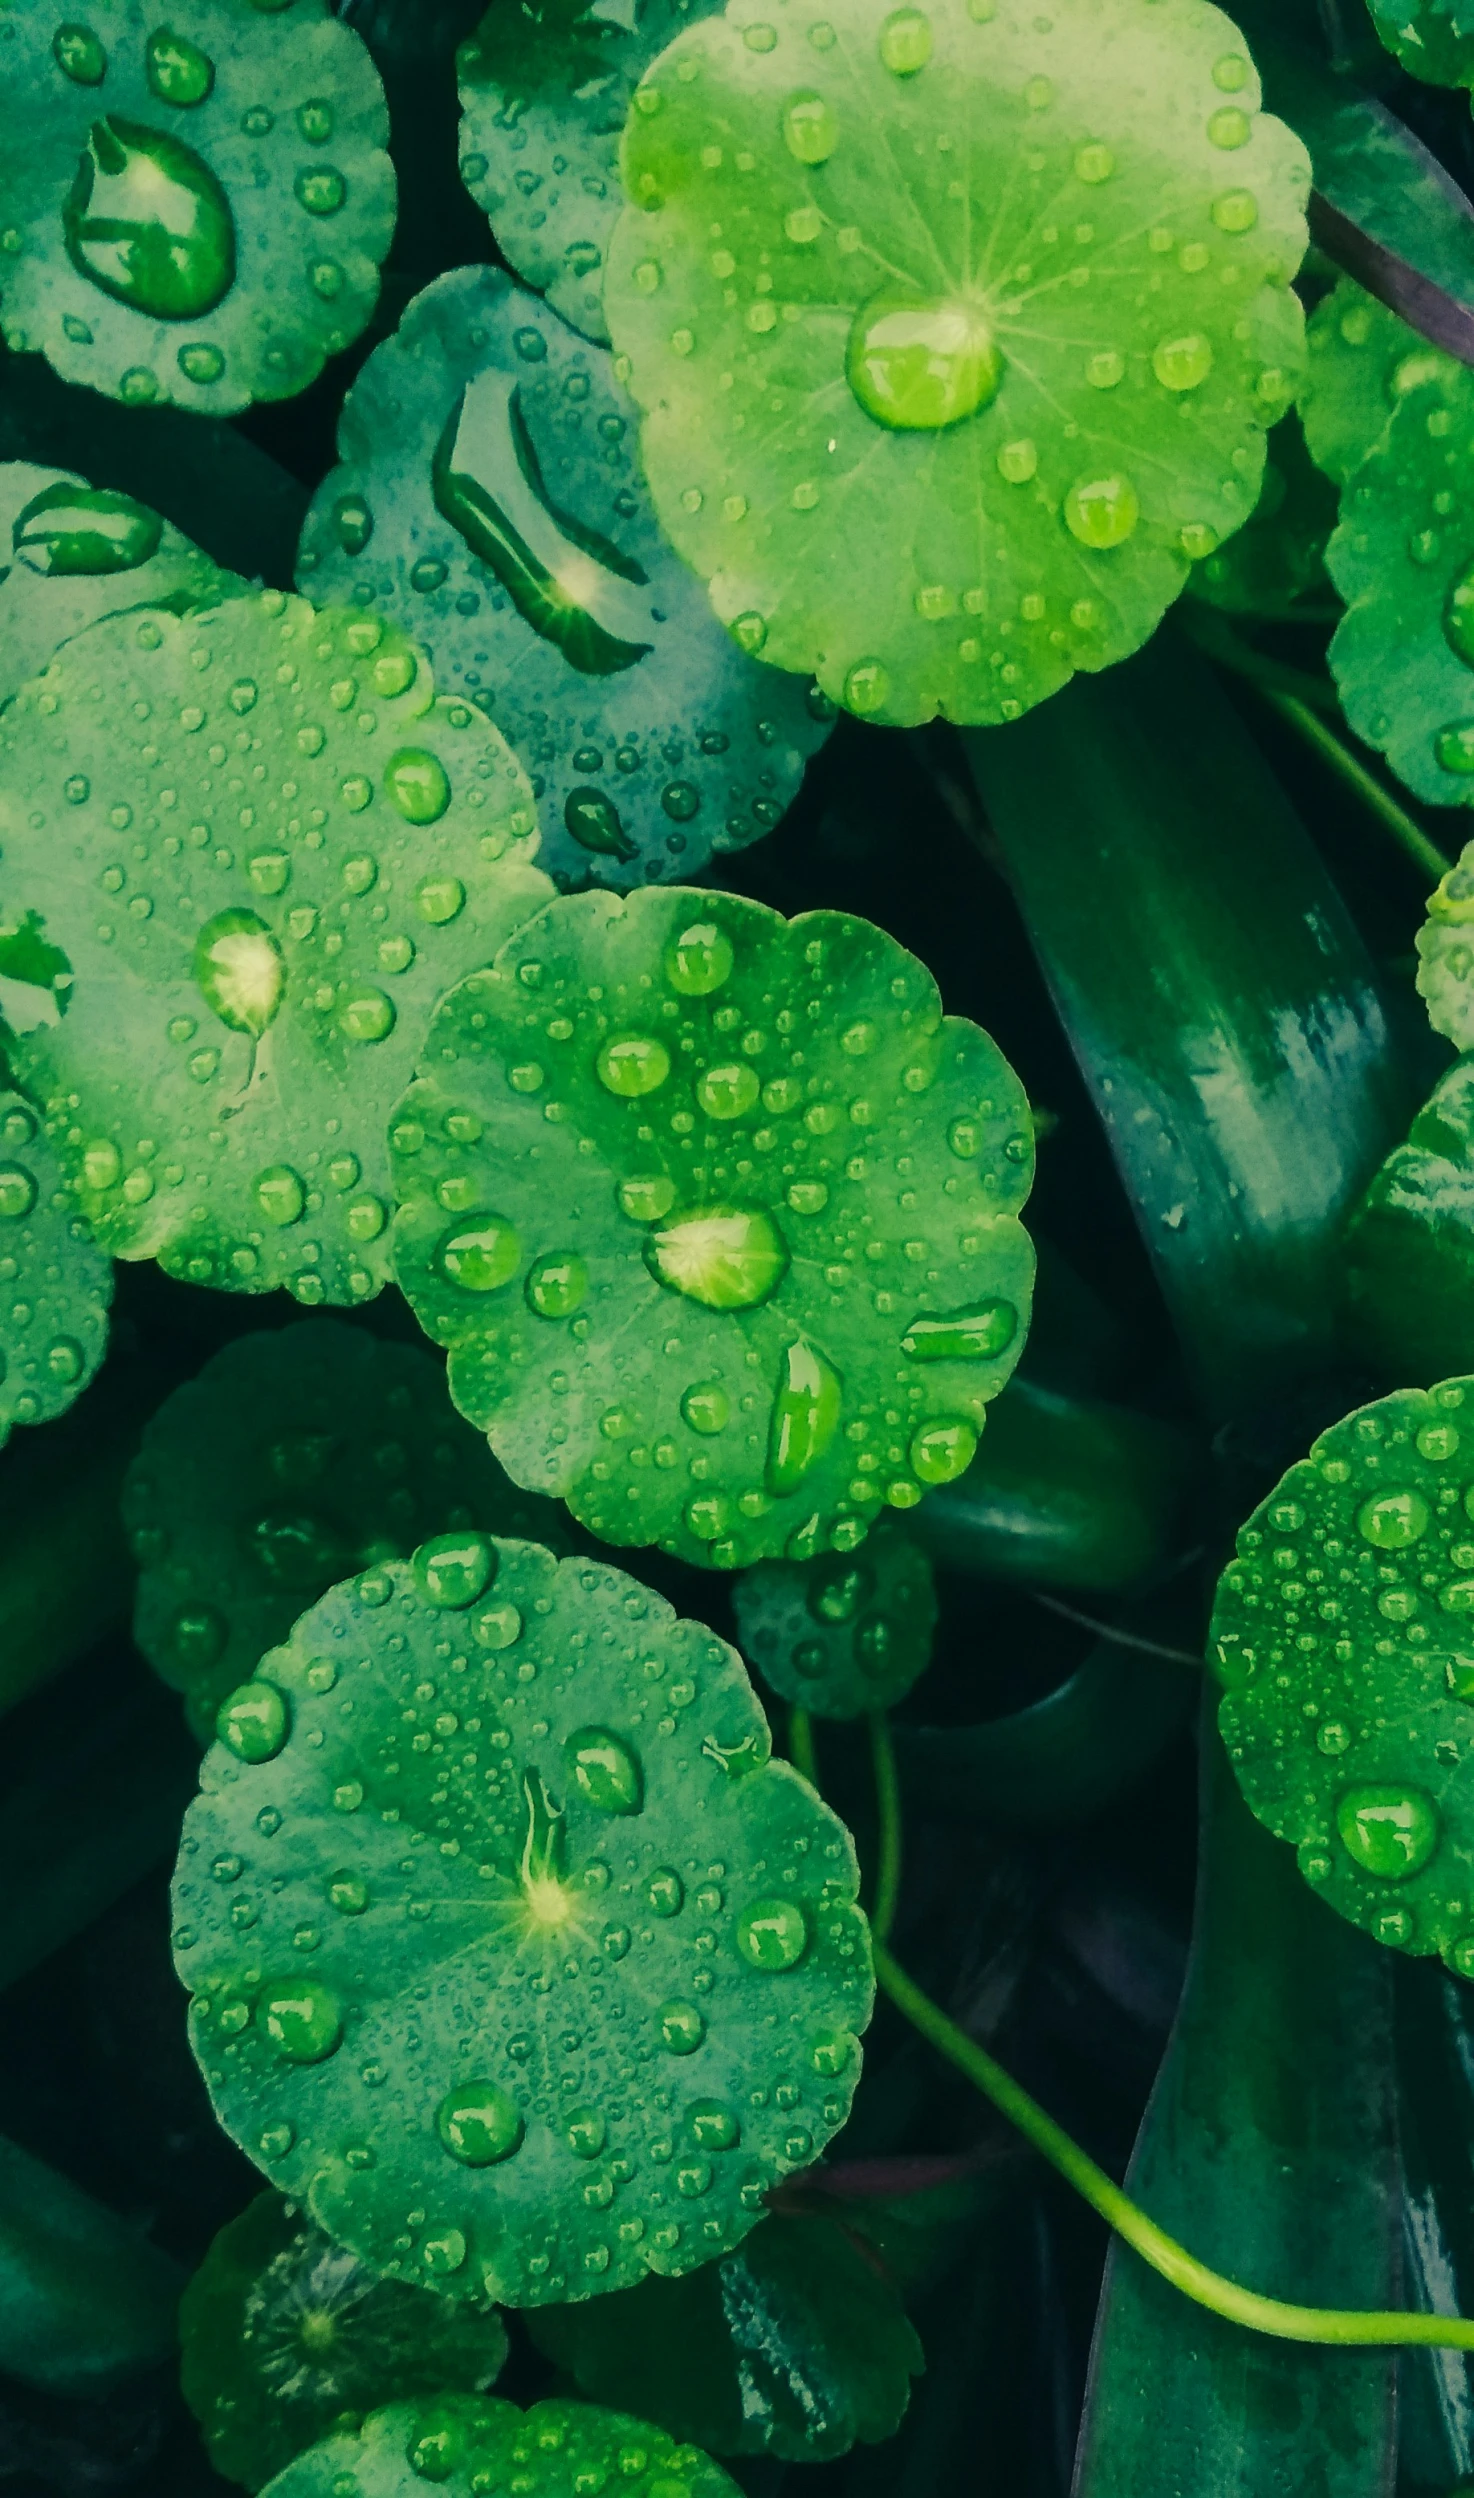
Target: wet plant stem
{"points": [[1348, 768], [801, 1746], [888, 1826]]}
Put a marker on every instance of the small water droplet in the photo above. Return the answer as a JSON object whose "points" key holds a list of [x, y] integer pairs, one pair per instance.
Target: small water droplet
{"points": [[699, 961], [979, 1332], [1393, 1520], [941, 1451], [666, 1892], [1183, 363], [1388, 1831], [585, 2131], [906, 42], [605, 1769], [1229, 127], [727, 1092], [682, 2028], [1102, 512], [632, 1064], [479, 1256], [253, 1722], [479, 2123], [594, 822], [17, 1191], [79, 56], [178, 71], [366, 1014], [646, 1200], [773, 1934], [557, 1284], [302, 2019], [810, 127], [280, 1194], [418, 784]]}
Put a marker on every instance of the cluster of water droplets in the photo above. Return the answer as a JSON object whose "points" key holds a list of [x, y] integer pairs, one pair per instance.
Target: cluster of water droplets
{"points": [[558, 2449], [843, 1634], [55, 1285]]}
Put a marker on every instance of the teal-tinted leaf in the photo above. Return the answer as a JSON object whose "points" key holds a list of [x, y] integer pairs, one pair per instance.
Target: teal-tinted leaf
{"points": [[1362, 362], [794, 2345], [669, 1163], [537, 1973], [1410, 1248], [935, 453], [555, 2450], [293, 1460], [492, 501], [286, 2338], [1432, 38], [545, 88], [844, 1634], [1276, 562], [55, 1284], [1446, 962], [264, 848], [1341, 1636], [194, 211], [72, 552]]}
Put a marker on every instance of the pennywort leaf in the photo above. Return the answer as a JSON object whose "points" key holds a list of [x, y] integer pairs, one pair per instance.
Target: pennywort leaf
{"points": [[491, 501], [286, 2338], [555, 2450], [1446, 945], [718, 1218], [1276, 562], [1340, 1636], [527, 1972], [293, 1460], [56, 1286], [1410, 1246], [263, 848], [72, 553], [933, 285], [192, 211], [1432, 38], [1362, 361], [845, 1634]]}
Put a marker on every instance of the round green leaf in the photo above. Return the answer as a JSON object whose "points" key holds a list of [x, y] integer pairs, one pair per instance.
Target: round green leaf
{"points": [[555, 2450], [545, 88], [1341, 1632], [844, 1634], [1362, 361], [492, 502], [794, 2345], [263, 849], [1403, 654], [669, 1163], [1277, 559], [1410, 1246], [56, 1286], [1446, 953], [74, 552], [957, 330], [292, 1460], [1432, 38], [537, 1973], [192, 210], [286, 2338]]}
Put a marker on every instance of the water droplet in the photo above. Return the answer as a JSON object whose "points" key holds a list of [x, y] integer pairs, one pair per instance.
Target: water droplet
{"points": [[452, 1570], [1102, 512], [440, 899], [1235, 212], [979, 1332], [810, 127], [831, 2051], [682, 2028], [905, 42], [773, 1934], [1454, 746], [353, 523], [594, 822], [479, 1256], [866, 687], [1229, 127], [646, 1200], [302, 2020], [699, 961], [1333, 1739], [806, 1412], [836, 1593], [366, 1014], [1182, 363], [1018, 461], [633, 1064], [240, 970], [479, 2123], [941, 1451], [321, 190], [348, 1894], [70, 529], [17, 1190], [707, 1407], [585, 2132], [728, 1257], [922, 362], [197, 1636], [148, 223], [418, 784], [1388, 1831], [1393, 1520], [178, 71], [79, 56], [1094, 162], [557, 1284], [252, 1722], [1458, 617], [605, 1770], [497, 1627], [727, 1092], [713, 2127], [666, 1892], [280, 1194]]}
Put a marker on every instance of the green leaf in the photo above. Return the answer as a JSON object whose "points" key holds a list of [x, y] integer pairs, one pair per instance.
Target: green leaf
{"points": [[75, 552], [1445, 959], [1410, 1246], [555, 2450], [193, 211], [843, 1635], [1432, 38], [286, 2338], [669, 1162], [1339, 1633], [1277, 560], [492, 501], [545, 88], [264, 849], [941, 457], [1362, 362], [795, 2345], [56, 1286], [537, 1973], [293, 1460]]}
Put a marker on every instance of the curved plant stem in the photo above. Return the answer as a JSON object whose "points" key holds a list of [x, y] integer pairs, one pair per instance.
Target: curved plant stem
{"points": [[801, 1746], [1215, 636], [1378, 801], [1286, 2322], [888, 1825], [1116, 1638]]}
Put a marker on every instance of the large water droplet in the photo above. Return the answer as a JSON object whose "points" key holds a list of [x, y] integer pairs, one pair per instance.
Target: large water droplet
{"points": [[253, 1722], [633, 1064], [1388, 1831], [728, 1257], [713, 2127], [451, 1571], [707, 1407], [79, 56], [806, 1411], [1393, 1520], [727, 1092], [479, 1255], [810, 127], [84, 529], [593, 820], [17, 1190], [302, 2019], [479, 2123], [1102, 512], [585, 2131], [605, 1770], [906, 42], [773, 1934], [682, 2028], [979, 1332], [240, 970], [557, 1284], [917, 363], [280, 1194], [147, 222], [178, 71], [646, 1200], [366, 1014], [1182, 363], [941, 1451], [418, 784], [700, 959]]}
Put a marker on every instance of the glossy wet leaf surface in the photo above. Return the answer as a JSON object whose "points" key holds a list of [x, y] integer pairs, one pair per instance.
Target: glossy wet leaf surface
{"points": [[295, 1458], [287, 2338], [491, 500], [193, 210], [263, 848], [1446, 961], [1432, 38], [1362, 361], [555, 2450], [942, 440], [56, 1286], [718, 1218], [844, 1634], [71, 552], [545, 89], [1341, 1636], [1275, 564], [795, 2345], [1410, 1247], [536, 1973]]}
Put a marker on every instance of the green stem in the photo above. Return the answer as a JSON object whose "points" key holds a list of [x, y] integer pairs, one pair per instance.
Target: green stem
{"points": [[1339, 2327], [1215, 636], [888, 1825], [1333, 750], [801, 1746]]}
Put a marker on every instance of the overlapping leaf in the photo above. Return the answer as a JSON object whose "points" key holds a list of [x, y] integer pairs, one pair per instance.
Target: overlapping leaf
{"points": [[1446, 953], [491, 500], [71, 552], [191, 210], [513, 1956], [718, 1218], [555, 2450], [261, 848], [56, 1286], [1410, 1247], [1432, 38], [843, 1635], [1275, 564], [1362, 361]]}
